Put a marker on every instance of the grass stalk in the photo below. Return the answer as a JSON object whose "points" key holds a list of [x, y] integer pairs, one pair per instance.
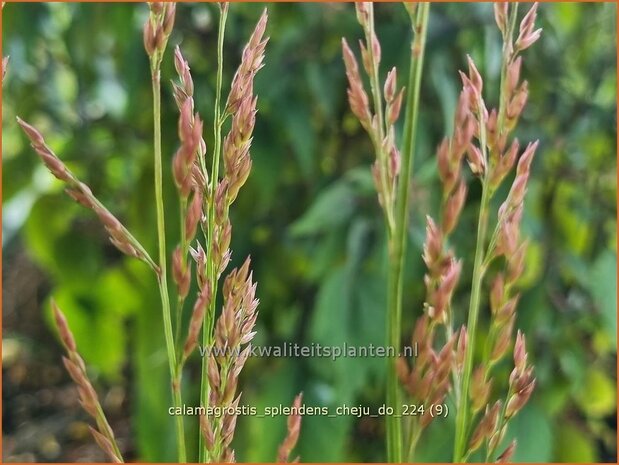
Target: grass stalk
{"points": [[415, 434], [180, 301], [162, 276], [209, 320], [478, 272], [398, 242], [477, 278]]}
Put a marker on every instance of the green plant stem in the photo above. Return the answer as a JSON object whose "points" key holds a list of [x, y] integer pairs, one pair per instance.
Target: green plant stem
{"points": [[398, 242], [161, 278], [209, 320], [412, 446], [180, 301], [478, 271], [105, 428], [490, 452], [76, 183], [478, 274]]}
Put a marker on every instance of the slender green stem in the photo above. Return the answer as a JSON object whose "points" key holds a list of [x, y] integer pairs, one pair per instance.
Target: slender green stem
{"points": [[490, 451], [162, 279], [177, 325], [134, 242], [180, 427], [180, 301], [105, 428], [209, 320], [397, 247], [412, 445], [478, 274], [478, 271]]}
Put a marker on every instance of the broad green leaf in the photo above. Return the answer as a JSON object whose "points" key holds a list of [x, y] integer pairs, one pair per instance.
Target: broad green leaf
{"points": [[598, 395], [151, 389], [118, 292], [602, 284], [437, 443], [330, 317], [302, 137], [100, 335], [573, 445], [446, 89], [532, 447], [332, 207], [570, 214], [554, 399], [533, 265], [49, 219], [71, 252]]}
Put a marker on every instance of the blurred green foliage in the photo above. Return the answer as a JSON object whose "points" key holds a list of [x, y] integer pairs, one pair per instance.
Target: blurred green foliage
{"points": [[309, 216]]}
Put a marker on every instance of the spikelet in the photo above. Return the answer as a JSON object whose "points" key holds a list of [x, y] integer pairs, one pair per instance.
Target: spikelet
{"points": [[157, 30], [292, 434], [81, 193], [103, 434], [234, 330]]}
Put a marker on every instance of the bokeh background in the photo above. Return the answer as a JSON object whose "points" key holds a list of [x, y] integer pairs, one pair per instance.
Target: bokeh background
{"points": [[308, 216]]}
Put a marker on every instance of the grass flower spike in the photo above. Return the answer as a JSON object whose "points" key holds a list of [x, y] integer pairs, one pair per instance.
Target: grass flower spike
{"points": [[233, 332], [103, 434], [491, 159], [393, 167], [81, 193], [292, 436]]}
